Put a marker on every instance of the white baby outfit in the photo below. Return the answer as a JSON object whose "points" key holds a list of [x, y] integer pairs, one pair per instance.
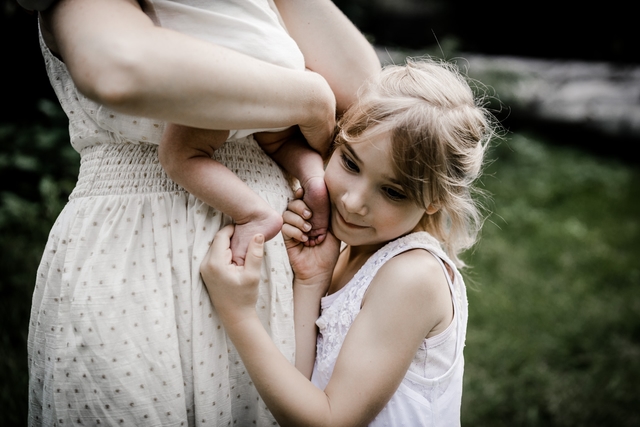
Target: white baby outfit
{"points": [[431, 392], [122, 331], [251, 27]]}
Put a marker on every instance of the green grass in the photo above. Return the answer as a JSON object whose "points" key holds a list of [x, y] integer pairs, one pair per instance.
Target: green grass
{"points": [[554, 329], [554, 283]]}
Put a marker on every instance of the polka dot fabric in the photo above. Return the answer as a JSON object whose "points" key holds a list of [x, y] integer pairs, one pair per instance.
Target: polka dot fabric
{"points": [[122, 330]]}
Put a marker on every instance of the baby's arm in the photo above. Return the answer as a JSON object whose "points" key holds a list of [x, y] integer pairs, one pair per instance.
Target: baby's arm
{"points": [[185, 153], [290, 150]]}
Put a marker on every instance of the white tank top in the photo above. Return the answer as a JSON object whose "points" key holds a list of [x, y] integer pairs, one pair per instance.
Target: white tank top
{"points": [[431, 392]]}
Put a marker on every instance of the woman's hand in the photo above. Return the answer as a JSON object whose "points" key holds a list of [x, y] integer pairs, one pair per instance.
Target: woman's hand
{"points": [[311, 262], [233, 289], [319, 123]]}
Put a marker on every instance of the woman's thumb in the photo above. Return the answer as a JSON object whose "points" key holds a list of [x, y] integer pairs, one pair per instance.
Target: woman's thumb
{"points": [[253, 260]]}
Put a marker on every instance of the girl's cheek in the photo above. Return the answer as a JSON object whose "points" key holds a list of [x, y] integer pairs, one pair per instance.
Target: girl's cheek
{"points": [[331, 175]]}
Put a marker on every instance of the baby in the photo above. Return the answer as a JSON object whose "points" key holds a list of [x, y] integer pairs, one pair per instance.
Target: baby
{"points": [[186, 155]]}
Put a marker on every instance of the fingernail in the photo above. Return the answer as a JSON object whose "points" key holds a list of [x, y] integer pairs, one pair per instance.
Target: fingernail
{"points": [[306, 213], [307, 226], [258, 238]]}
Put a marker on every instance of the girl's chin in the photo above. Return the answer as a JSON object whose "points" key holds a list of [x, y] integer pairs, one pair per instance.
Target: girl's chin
{"points": [[352, 238], [342, 235]]}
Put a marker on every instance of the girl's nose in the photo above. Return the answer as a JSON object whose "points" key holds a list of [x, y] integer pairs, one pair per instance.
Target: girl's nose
{"points": [[355, 202]]}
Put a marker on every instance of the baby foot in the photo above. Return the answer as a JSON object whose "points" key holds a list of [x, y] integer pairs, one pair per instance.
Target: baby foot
{"points": [[316, 197], [266, 223]]}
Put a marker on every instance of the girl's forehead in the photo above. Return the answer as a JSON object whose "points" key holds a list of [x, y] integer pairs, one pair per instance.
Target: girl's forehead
{"points": [[376, 144], [375, 154]]}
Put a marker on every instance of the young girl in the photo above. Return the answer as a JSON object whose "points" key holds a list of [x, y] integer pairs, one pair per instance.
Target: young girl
{"points": [[393, 308]]}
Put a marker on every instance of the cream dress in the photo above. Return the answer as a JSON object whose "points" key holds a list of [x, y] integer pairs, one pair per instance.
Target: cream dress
{"points": [[122, 331]]}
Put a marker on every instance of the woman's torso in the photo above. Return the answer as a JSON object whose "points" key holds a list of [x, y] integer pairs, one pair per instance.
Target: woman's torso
{"points": [[122, 330]]}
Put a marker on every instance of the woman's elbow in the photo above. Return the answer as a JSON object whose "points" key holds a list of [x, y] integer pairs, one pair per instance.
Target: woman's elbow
{"points": [[112, 76]]}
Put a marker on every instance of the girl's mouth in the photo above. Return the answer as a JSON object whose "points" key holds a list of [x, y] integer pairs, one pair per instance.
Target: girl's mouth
{"points": [[347, 224]]}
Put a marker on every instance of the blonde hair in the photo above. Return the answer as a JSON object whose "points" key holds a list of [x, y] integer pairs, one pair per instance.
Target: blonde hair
{"points": [[439, 132]]}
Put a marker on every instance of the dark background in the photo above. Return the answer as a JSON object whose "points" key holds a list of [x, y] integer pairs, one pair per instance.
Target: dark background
{"points": [[596, 31], [568, 30], [556, 326]]}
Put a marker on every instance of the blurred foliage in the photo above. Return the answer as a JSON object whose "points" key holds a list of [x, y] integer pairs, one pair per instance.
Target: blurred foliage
{"points": [[38, 169], [554, 330]]}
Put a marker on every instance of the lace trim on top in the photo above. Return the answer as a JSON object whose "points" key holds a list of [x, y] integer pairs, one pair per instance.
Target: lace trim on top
{"points": [[340, 309]]}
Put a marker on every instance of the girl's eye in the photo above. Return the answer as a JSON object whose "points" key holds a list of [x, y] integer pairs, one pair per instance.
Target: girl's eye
{"points": [[394, 194], [349, 164]]}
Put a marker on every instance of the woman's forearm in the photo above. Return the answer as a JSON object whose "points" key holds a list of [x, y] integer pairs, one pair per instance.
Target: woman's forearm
{"points": [[118, 57]]}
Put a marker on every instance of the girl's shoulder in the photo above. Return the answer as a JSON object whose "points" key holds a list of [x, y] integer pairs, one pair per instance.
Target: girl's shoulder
{"points": [[415, 259], [416, 269], [412, 284]]}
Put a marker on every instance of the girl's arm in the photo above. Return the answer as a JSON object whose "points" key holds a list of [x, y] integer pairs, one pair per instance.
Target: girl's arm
{"points": [[332, 46], [312, 266], [399, 311], [306, 303], [119, 58]]}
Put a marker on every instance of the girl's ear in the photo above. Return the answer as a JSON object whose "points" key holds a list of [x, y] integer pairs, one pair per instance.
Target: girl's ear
{"points": [[431, 209]]}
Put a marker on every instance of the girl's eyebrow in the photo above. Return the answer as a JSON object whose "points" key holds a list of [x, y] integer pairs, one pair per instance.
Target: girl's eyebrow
{"points": [[391, 179], [353, 153]]}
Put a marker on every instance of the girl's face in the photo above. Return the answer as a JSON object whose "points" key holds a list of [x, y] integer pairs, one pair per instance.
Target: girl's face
{"points": [[368, 206]]}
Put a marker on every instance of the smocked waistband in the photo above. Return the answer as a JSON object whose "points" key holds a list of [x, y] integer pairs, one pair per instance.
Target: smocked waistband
{"points": [[115, 169]]}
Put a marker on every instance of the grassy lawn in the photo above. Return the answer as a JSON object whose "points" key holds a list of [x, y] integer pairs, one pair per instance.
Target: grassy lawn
{"points": [[554, 332], [554, 287]]}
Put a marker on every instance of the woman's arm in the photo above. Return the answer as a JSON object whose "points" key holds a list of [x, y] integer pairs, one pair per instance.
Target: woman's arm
{"points": [[399, 311], [118, 57], [332, 46]]}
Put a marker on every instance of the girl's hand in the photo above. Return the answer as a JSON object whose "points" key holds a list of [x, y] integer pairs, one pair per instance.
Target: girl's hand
{"points": [[233, 289], [310, 263]]}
